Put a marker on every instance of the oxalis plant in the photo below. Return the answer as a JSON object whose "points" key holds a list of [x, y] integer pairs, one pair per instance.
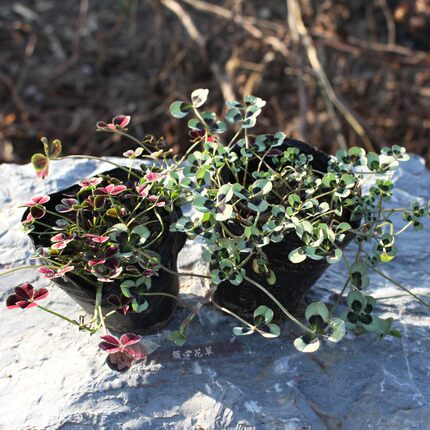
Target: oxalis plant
{"points": [[251, 191], [105, 233], [247, 192]]}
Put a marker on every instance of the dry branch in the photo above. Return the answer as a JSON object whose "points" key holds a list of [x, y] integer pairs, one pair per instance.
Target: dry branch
{"points": [[188, 24], [327, 88]]}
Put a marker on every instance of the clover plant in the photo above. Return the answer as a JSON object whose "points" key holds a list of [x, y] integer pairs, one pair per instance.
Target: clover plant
{"points": [[251, 190], [246, 191], [105, 231]]}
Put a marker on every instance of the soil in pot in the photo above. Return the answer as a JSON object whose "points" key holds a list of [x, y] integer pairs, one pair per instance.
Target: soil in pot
{"points": [[293, 280], [160, 309]]}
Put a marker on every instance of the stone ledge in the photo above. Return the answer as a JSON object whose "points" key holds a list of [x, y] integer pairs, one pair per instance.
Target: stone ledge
{"points": [[53, 376]]}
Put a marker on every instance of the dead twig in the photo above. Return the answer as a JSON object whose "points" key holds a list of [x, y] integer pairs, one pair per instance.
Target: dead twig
{"points": [[294, 19], [325, 84], [301, 87], [247, 23], [189, 26], [391, 25]]}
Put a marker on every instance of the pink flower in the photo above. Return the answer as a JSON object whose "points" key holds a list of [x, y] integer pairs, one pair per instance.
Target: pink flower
{"points": [[112, 189], [25, 297], [118, 122], [142, 190], [133, 154], [120, 303], [37, 201], [105, 267], [153, 176], [37, 210], [90, 182], [66, 205], [96, 238], [60, 240], [96, 261], [100, 257], [123, 352], [52, 272], [30, 218], [155, 199]]}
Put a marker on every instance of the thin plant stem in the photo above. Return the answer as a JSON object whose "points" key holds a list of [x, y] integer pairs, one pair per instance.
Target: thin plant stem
{"points": [[229, 312], [172, 296], [16, 269], [285, 311], [196, 275], [61, 316], [398, 284]]}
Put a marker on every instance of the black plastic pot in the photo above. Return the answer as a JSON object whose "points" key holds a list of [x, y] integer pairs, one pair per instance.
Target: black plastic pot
{"points": [[161, 308], [293, 280]]}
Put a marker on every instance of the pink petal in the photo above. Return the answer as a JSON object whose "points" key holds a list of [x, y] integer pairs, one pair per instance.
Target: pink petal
{"points": [[110, 344], [26, 305], [105, 346], [121, 121], [129, 153], [29, 219], [40, 294], [110, 339], [96, 261], [46, 272], [58, 237], [153, 176], [90, 182], [96, 238], [40, 200], [128, 339], [25, 291], [118, 190], [142, 190], [135, 352], [116, 272], [59, 245], [65, 270], [12, 301], [42, 174]]}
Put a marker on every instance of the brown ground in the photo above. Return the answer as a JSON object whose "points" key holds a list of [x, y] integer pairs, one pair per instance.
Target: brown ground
{"points": [[65, 65]]}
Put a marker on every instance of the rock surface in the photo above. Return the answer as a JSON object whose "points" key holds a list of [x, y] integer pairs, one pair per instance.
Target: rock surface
{"points": [[53, 376]]}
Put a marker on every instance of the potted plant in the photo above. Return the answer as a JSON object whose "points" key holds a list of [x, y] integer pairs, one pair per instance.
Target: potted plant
{"points": [[106, 242], [274, 213], [271, 212]]}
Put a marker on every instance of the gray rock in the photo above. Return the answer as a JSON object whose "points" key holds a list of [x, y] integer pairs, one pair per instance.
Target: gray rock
{"points": [[53, 376]]}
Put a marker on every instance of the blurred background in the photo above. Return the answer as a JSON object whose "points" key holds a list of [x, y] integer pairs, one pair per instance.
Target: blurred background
{"points": [[334, 73]]}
